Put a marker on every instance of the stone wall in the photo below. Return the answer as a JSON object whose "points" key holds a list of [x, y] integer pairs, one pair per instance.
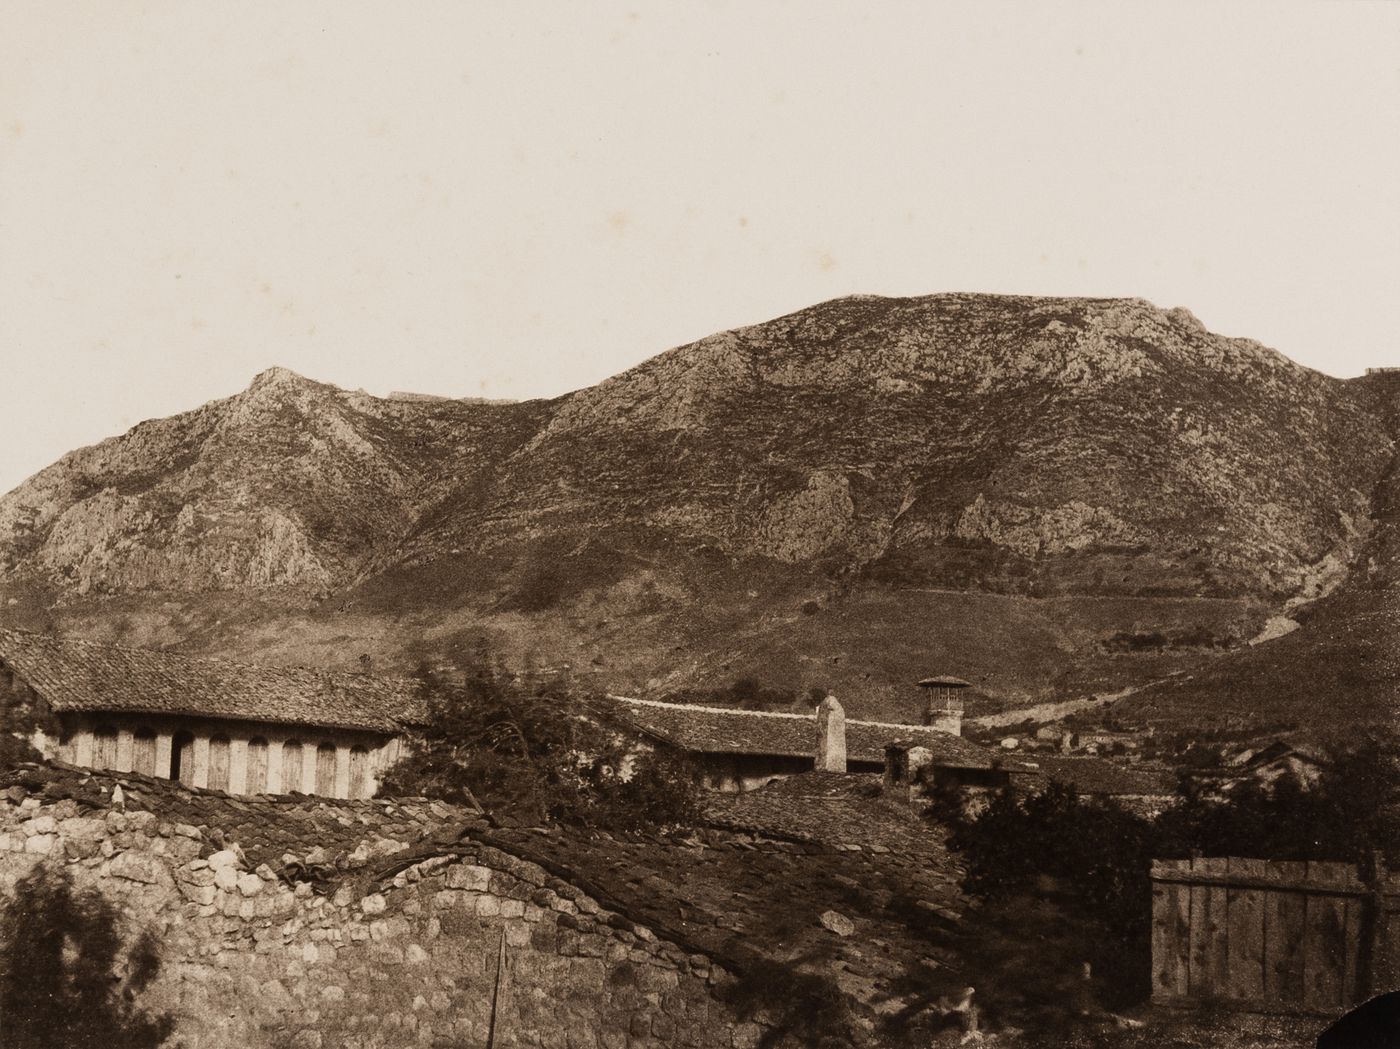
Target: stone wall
{"points": [[419, 957]]}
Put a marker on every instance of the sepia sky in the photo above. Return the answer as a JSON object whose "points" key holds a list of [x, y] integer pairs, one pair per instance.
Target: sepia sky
{"points": [[518, 199]]}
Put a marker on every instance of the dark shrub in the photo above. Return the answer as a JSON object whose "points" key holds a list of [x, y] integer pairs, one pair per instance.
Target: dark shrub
{"points": [[65, 980], [529, 748]]}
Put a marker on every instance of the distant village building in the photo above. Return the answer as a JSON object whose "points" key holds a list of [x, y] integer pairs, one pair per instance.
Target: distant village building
{"points": [[211, 723], [1141, 788], [1299, 763], [912, 767], [974, 773], [740, 750]]}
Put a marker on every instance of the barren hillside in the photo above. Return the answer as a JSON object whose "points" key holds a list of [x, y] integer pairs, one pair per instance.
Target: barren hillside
{"points": [[1049, 496]]}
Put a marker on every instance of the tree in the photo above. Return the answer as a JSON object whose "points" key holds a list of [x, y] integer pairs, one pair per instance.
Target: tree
{"points": [[1349, 813], [65, 980], [1061, 881], [18, 722], [529, 748]]}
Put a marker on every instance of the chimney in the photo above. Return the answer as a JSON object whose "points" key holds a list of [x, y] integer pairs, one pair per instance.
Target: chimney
{"points": [[905, 762], [831, 736], [944, 709]]}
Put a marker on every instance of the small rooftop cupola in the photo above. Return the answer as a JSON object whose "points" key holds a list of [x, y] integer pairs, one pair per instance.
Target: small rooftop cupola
{"points": [[944, 708], [831, 736]]}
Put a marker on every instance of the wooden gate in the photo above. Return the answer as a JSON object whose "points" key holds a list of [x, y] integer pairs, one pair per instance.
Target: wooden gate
{"points": [[1269, 935]]}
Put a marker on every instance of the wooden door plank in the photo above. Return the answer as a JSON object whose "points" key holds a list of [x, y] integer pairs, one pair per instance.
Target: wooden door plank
{"points": [[1324, 943], [1163, 979], [1246, 934], [1283, 938]]}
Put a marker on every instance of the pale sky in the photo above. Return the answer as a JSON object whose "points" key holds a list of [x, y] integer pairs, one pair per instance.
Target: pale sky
{"points": [[519, 199]]}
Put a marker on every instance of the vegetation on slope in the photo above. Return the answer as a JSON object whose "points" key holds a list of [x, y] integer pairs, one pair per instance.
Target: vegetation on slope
{"points": [[526, 749]]}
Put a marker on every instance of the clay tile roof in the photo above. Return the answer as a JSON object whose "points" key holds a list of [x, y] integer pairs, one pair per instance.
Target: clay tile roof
{"points": [[944, 682], [832, 808], [74, 675], [1095, 776], [266, 827], [724, 730]]}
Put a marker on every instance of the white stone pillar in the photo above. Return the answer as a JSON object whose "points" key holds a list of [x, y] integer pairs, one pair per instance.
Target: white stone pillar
{"points": [[45, 744], [831, 736], [163, 743], [82, 746], [238, 765], [126, 744], [200, 754]]}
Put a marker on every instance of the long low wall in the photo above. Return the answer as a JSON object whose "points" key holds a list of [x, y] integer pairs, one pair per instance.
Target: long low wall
{"points": [[234, 756], [424, 958]]}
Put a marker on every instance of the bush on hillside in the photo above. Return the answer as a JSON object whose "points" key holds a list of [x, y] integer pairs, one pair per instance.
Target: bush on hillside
{"points": [[529, 749]]}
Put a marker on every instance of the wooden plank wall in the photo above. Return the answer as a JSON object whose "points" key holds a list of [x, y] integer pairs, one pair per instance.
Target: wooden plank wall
{"points": [[1277, 936]]}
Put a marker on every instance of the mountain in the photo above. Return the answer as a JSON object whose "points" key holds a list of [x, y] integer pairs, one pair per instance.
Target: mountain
{"points": [[1049, 496], [1339, 663]]}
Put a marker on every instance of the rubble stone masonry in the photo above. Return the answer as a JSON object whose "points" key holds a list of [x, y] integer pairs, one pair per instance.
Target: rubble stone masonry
{"points": [[424, 956]]}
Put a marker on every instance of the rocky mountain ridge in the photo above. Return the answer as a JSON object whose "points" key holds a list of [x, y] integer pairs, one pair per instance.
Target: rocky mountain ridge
{"points": [[867, 453]]}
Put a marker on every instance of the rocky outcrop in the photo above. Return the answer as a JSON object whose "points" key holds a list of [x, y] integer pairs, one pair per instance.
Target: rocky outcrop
{"points": [[1045, 428], [288, 484], [1033, 447]]}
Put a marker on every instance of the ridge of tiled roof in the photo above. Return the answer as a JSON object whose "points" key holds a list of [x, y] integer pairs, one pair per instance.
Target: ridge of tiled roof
{"points": [[266, 827], [727, 730], [847, 811], [1091, 775], [77, 675]]}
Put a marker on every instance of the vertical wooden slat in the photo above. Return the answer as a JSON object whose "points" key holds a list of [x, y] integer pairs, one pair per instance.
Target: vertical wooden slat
{"points": [[105, 748], [1180, 938], [1352, 992], [359, 772], [1386, 964], [325, 770], [218, 763], [1171, 918], [1324, 942], [1283, 937], [143, 752], [292, 766], [1198, 981], [183, 747], [256, 781], [1163, 980], [1246, 934], [1217, 930]]}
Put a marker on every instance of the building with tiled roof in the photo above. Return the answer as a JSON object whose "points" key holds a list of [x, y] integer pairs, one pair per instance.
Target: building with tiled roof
{"points": [[1095, 777], [213, 723], [739, 750]]}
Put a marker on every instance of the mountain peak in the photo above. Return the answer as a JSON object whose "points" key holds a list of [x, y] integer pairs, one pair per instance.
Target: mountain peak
{"points": [[279, 377]]}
